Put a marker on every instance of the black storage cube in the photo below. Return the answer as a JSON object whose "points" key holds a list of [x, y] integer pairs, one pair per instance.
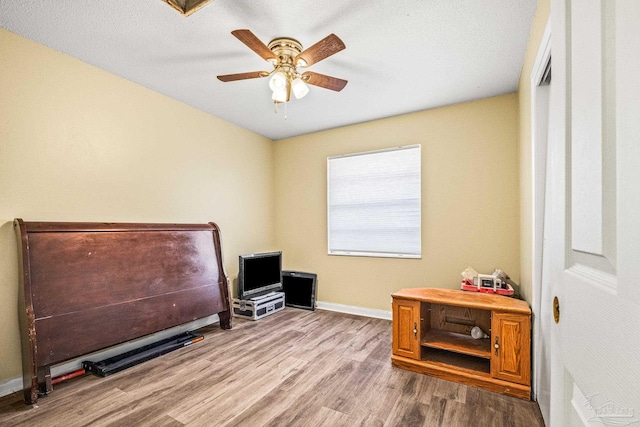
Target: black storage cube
{"points": [[299, 289]]}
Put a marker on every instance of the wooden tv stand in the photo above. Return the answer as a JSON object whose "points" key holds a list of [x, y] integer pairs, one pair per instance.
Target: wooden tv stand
{"points": [[431, 335]]}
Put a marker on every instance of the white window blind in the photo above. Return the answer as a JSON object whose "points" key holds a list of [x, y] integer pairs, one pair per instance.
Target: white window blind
{"points": [[374, 203]]}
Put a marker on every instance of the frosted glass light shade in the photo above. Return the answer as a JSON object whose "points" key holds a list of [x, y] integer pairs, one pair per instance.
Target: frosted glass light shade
{"points": [[278, 81], [280, 94], [300, 89]]}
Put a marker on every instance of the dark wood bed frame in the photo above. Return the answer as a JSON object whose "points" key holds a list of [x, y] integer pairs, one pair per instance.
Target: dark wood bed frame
{"points": [[88, 286]]}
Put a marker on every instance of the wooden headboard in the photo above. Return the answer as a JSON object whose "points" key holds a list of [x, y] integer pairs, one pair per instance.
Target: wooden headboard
{"points": [[88, 286]]}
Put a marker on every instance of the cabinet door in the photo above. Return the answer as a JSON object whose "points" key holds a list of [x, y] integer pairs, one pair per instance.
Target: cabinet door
{"points": [[511, 353], [406, 328]]}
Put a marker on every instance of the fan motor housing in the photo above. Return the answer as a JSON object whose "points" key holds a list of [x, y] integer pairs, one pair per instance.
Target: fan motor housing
{"points": [[286, 49]]}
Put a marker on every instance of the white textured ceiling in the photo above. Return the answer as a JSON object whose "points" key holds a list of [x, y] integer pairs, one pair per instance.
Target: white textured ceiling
{"points": [[401, 56]]}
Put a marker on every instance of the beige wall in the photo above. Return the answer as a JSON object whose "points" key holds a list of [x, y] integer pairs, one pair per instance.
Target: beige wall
{"points": [[470, 200], [79, 144], [526, 191]]}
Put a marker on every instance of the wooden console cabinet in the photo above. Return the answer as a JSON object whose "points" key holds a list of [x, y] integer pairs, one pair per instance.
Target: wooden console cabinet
{"points": [[431, 335]]}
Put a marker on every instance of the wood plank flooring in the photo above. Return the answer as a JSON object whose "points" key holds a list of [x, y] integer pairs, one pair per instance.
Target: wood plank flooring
{"points": [[293, 368]]}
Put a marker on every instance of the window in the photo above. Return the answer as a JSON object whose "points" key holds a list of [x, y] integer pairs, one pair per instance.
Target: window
{"points": [[374, 203]]}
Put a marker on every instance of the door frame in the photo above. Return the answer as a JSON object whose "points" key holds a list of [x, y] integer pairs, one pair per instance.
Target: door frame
{"points": [[538, 161]]}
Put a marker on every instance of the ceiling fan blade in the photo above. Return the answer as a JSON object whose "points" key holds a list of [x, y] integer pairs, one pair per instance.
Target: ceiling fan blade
{"points": [[319, 51], [254, 43], [243, 76], [327, 82]]}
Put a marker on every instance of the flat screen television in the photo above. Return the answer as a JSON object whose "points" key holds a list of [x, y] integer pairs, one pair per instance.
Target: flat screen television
{"points": [[259, 274]]}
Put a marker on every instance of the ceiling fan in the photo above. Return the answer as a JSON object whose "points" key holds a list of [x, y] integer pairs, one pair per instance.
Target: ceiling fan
{"points": [[286, 55]]}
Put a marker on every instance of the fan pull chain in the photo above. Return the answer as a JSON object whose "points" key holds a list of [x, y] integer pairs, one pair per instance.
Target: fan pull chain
{"points": [[275, 110]]}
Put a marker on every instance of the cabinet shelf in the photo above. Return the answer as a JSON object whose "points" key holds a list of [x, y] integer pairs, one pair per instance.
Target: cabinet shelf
{"points": [[458, 343], [458, 361]]}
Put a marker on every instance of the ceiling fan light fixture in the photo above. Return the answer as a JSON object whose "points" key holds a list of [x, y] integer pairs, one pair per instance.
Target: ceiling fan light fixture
{"points": [[278, 81], [299, 88], [285, 55]]}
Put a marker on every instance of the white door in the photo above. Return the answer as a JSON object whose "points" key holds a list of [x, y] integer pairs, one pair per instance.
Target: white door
{"points": [[592, 230]]}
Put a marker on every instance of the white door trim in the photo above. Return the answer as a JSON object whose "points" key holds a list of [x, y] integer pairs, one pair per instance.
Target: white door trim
{"points": [[538, 159]]}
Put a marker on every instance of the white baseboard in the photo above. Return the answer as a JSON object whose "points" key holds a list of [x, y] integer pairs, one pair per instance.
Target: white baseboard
{"points": [[358, 311], [10, 386]]}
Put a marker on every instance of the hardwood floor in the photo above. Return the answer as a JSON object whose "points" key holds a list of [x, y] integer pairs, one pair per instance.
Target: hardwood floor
{"points": [[293, 368]]}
